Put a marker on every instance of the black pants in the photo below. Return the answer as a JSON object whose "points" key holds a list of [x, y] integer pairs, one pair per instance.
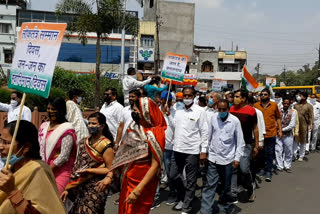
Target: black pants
{"points": [[191, 165]]}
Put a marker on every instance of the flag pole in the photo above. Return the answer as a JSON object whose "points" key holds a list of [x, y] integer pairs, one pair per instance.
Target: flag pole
{"points": [[169, 92], [15, 130]]}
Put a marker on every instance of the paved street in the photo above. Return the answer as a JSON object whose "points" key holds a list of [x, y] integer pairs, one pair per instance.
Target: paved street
{"points": [[293, 193]]}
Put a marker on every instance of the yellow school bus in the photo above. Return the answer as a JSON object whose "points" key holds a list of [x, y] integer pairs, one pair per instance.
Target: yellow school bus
{"points": [[311, 89]]}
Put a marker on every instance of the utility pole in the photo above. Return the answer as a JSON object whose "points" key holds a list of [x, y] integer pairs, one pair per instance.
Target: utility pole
{"points": [[257, 68], [123, 38], [284, 74], [319, 61], [158, 25]]}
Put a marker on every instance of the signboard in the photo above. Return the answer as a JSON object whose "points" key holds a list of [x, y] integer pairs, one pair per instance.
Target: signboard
{"points": [[271, 81], [230, 53], [112, 75], [35, 57], [216, 85], [146, 55], [174, 67], [188, 79], [202, 86]]}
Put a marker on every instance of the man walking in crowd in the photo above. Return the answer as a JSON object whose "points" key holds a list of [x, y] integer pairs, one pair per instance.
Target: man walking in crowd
{"points": [[284, 146], [305, 114], [13, 108], [179, 101], [112, 110], [226, 146], [74, 114], [126, 118], [316, 123], [248, 118], [130, 82], [190, 146], [271, 115]]}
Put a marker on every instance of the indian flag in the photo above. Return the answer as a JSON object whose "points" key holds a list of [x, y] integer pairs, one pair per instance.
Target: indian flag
{"points": [[247, 81]]}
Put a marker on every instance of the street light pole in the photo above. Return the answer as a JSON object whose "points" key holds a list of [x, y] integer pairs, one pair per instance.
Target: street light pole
{"points": [[123, 38]]}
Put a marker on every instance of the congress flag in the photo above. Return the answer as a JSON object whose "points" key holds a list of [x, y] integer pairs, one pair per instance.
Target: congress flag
{"points": [[248, 82]]}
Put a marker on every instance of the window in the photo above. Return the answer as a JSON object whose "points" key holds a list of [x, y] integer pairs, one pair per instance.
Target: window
{"points": [[4, 28], [8, 56], [147, 41], [207, 66]]}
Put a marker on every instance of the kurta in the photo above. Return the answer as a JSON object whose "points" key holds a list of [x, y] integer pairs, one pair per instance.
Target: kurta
{"points": [[305, 114]]}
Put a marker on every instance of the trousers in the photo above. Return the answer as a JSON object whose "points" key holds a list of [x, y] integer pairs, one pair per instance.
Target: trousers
{"points": [[284, 152]]}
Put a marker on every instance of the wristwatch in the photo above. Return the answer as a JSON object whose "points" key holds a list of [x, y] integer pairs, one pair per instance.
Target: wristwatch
{"points": [[16, 198]]}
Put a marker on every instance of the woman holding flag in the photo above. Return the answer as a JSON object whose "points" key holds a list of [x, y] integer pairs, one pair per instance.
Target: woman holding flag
{"points": [[140, 155], [57, 140]]}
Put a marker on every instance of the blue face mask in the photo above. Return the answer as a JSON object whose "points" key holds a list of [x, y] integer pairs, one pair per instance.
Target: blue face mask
{"points": [[180, 105], [210, 102], [13, 159], [230, 104], [223, 115]]}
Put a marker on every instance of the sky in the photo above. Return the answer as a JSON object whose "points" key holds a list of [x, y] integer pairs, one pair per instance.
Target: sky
{"points": [[275, 33]]}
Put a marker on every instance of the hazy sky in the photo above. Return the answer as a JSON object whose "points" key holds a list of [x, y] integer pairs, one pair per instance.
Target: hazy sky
{"points": [[273, 32]]}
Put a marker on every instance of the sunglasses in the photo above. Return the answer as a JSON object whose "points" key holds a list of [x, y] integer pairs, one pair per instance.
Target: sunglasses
{"points": [[264, 94]]}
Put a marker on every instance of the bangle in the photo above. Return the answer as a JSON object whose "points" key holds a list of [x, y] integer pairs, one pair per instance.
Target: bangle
{"points": [[136, 194]]}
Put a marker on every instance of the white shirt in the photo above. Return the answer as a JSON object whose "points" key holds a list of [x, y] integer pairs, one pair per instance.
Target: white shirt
{"points": [[261, 126], [113, 113], [226, 142], [74, 116], [210, 112], [190, 130], [129, 83], [170, 129], [13, 112], [126, 118], [316, 113]]}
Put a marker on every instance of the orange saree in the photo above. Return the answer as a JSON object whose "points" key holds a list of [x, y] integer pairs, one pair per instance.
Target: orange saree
{"points": [[134, 157]]}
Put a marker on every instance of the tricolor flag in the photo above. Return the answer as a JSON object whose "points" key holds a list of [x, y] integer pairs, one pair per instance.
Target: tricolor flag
{"points": [[247, 81]]}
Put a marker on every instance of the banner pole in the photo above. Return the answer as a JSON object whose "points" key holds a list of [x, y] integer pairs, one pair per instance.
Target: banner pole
{"points": [[169, 92], [15, 130]]}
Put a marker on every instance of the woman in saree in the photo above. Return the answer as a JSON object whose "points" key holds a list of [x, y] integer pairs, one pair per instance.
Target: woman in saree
{"points": [[29, 186], [91, 173], [139, 156], [57, 140]]}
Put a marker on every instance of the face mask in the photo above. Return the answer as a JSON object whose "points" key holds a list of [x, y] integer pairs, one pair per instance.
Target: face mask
{"points": [[237, 101], [179, 105], [210, 102], [313, 101], [188, 102], [93, 130], [230, 104], [298, 98], [13, 159], [197, 96], [135, 116], [79, 99], [13, 103], [223, 115], [52, 115], [107, 99], [278, 100]]}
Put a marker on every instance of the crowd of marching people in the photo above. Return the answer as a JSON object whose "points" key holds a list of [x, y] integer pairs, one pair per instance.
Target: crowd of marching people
{"points": [[187, 139]]}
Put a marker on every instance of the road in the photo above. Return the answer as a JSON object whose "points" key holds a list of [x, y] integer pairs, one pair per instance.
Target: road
{"points": [[294, 193]]}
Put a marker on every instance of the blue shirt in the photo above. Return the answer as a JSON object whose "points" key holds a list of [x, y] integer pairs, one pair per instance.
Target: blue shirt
{"points": [[226, 142], [151, 90]]}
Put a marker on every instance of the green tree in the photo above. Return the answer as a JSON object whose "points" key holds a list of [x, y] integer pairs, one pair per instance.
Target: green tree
{"points": [[99, 16]]}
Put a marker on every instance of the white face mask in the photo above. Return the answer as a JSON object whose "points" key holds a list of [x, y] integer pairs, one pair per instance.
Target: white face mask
{"points": [[79, 99], [13, 103], [313, 101], [298, 98], [188, 102], [278, 100]]}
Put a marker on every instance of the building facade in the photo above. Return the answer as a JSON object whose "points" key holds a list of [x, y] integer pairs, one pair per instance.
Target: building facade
{"points": [[220, 67]]}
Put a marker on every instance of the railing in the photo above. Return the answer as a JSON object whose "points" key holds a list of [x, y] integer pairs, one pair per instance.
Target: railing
{"points": [[37, 118]]}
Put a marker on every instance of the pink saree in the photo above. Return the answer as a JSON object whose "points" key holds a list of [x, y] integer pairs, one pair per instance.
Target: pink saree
{"points": [[50, 148]]}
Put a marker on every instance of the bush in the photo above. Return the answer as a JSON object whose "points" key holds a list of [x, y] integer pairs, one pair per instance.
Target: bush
{"points": [[5, 95], [67, 80]]}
